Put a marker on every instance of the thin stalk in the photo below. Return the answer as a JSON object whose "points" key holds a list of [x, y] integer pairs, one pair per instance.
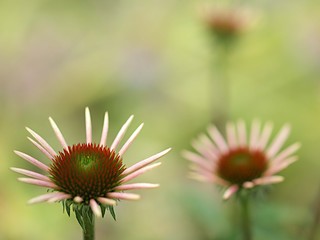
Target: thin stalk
{"points": [[245, 217], [316, 219], [88, 222]]}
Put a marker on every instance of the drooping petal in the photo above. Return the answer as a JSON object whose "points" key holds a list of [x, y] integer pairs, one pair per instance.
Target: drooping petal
{"points": [[44, 197], [37, 182], [139, 172], [230, 191], [32, 160], [88, 126], [61, 196], [130, 140], [107, 201], [105, 130], [134, 186], [31, 174], [43, 143], [268, 180], [124, 196], [95, 208], [58, 134], [145, 162]]}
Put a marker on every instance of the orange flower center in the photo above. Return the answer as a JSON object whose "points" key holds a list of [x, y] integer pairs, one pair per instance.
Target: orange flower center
{"points": [[241, 165]]}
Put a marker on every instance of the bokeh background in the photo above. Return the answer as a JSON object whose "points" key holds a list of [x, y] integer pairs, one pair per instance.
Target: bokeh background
{"points": [[157, 60]]}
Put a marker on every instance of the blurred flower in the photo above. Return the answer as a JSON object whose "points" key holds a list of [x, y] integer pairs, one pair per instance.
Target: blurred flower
{"points": [[87, 175], [224, 24], [237, 163]]}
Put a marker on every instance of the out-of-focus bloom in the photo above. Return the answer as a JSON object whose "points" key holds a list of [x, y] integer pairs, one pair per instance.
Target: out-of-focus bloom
{"points": [[87, 174], [240, 162]]}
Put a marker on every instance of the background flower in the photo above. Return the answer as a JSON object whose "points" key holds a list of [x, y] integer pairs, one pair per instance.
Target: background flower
{"points": [[238, 161]]}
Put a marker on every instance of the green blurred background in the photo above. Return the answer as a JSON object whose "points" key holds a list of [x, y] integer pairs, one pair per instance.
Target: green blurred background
{"points": [[155, 59]]}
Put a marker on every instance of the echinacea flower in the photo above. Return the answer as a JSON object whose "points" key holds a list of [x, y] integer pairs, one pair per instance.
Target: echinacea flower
{"points": [[87, 175], [240, 162]]}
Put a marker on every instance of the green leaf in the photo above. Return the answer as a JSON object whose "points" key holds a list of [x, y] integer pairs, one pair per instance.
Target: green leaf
{"points": [[103, 210], [80, 219]]}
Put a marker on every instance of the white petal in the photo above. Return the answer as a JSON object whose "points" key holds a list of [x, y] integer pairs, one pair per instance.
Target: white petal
{"points": [[139, 172], [217, 137], [286, 153], [280, 166], [32, 160], [121, 133], [230, 191], [242, 134], [130, 140], [31, 174], [44, 197], [105, 130], [88, 126], [265, 135], [255, 132], [124, 196], [268, 180], [95, 208], [58, 134], [278, 141], [145, 162], [134, 186], [37, 182], [42, 149], [43, 143], [231, 135], [195, 158], [78, 199], [61, 196], [107, 201]]}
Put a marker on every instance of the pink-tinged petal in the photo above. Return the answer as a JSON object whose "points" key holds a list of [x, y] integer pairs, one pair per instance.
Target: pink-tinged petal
{"points": [[37, 182], [32, 160], [248, 185], [231, 135], [278, 141], [205, 140], [268, 180], [230, 191], [42, 149], [88, 126], [145, 162], [95, 208], [255, 132], [78, 199], [121, 133], [280, 166], [134, 186], [130, 140], [242, 134], [31, 174], [61, 196], [218, 139], [265, 135], [195, 158], [139, 172], [124, 196], [43, 143], [44, 197], [105, 130], [204, 151], [107, 201], [58, 134], [286, 153]]}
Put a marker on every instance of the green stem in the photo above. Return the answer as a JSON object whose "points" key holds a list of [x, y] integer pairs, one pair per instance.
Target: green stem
{"points": [[245, 217], [88, 222], [316, 219]]}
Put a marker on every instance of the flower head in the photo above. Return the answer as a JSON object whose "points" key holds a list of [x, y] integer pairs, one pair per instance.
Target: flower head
{"points": [[239, 161], [87, 175]]}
